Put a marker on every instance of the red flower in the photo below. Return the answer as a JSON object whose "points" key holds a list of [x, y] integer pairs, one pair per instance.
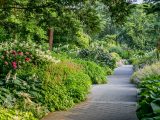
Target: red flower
{"points": [[6, 63], [27, 59], [20, 53], [14, 65]]}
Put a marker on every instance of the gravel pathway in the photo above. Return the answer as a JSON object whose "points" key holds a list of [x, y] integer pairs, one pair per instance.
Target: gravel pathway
{"points": [[113, 101]]}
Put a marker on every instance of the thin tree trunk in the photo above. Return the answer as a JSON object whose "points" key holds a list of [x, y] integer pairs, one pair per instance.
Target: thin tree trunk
{"points": [[50, 37]]}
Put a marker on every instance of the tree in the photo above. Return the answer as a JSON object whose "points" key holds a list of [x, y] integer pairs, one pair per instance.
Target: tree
{"points": [[139, 30]]}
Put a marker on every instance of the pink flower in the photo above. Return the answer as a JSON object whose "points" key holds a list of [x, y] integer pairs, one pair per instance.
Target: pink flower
{"points": [[27, 59], [20, 53], [14, 65], [6, 63]]}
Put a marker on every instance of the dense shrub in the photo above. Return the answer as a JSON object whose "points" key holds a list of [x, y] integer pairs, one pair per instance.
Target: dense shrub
{"points": [[140, 59], [3, 35], [83, 39], [65, 84], [8, 114], [149, 92], [41, 84], [108, 70], [45, 88], [116, 56], [29, 49], [99, 56], [149, 102], [147, 72], [122, 53], [95, 72]]}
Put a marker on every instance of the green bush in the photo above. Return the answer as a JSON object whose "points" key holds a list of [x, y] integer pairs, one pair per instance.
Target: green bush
{"points": [[142, 58], [116, 56], [64, 84], [99, 56], [2, 34], [95, 72], [41, 84], [117, 49], [40, 89], [149, 102], [8, 114], [147, 72], [83, 39], [149, 92], [108, 70]]}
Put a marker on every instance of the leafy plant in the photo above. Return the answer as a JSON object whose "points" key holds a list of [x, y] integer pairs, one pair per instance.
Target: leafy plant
{"points": [[12, 60], [149, 92], [99, 56], [149, 102], [147, 72], [64, 84], [9, 114], [95, 72]]}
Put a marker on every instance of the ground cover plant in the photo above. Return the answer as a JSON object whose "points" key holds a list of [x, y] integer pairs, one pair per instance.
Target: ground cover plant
{"points": [[149, 92], [6, 114], [99, 56], [141, 58], [95, 72], [35, 82]]}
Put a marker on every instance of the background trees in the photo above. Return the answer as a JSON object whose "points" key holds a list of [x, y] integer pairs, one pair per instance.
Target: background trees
{"points": [[70, 19]]}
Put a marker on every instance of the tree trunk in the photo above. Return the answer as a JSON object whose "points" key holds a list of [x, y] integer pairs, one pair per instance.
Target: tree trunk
{"points": [[50, 38]]}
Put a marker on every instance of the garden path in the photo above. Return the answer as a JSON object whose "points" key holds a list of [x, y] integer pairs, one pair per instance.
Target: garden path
{"points": [[113, 101]]}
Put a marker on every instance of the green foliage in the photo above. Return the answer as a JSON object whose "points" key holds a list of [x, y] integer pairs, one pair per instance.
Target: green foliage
{"points": [[83, 39], [141, 30], [2, 35], [44, 88], [12, 60], [23, 91], [95, 72], [149, 92], [139, 59], [108, 70], [115, 56], [8, 114], [149, 107], [27, 49], [119, 50], [43, 84], [99, 56], [64, 84], [147, 72]]}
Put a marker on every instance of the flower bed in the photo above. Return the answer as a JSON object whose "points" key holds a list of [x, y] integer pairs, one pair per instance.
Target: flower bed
{"points": [[32, 81]]}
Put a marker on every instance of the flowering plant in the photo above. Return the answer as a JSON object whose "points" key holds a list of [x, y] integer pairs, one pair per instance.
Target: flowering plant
{"points": [[39, 53], [13, 59], [14, 55]]}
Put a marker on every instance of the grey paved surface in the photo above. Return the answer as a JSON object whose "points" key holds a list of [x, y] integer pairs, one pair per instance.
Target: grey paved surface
{"points": [[113, 101]]}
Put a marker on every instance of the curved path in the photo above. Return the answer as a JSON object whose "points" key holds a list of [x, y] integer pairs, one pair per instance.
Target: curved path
{"points": [[113, 101]]}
